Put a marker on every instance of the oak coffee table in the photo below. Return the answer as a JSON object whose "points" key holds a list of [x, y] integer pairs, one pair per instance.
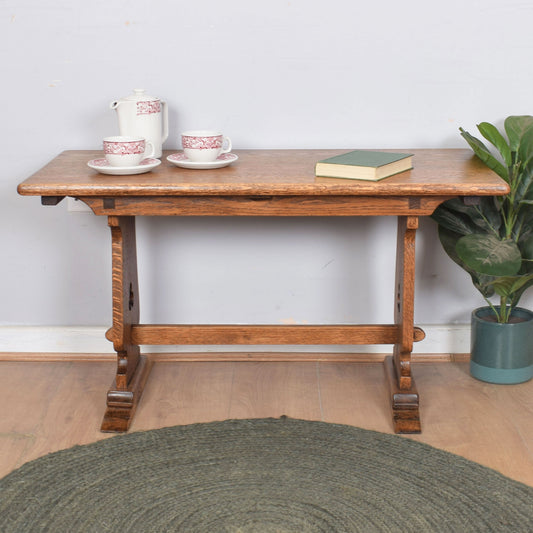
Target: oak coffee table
{"points": [[261, 183]]}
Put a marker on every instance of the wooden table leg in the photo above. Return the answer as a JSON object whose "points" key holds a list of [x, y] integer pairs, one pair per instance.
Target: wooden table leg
{"points": [[132, 367], [404, 396]]}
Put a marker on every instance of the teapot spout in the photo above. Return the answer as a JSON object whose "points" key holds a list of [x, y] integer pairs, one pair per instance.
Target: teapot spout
{"points": [[114, 105]]}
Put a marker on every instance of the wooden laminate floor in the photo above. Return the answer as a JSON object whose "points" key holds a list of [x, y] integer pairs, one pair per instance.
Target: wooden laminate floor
{"points": [[48, 406]]}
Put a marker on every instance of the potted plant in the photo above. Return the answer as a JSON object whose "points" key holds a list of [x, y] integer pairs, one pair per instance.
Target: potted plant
{"points": [[492, 239]]}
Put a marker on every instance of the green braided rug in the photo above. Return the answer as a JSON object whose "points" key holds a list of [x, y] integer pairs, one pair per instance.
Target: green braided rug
{"points": [[264, 476]]}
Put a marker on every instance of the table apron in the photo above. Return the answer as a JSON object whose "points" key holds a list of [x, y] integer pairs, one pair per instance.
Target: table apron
{"points": [[263, 205]]}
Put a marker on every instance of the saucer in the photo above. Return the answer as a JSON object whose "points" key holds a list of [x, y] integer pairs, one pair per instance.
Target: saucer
{"points": [[223, 160], [102, 166]]}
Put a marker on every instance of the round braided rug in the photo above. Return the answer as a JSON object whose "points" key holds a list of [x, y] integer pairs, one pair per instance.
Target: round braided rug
{"points": [[264, 476]]}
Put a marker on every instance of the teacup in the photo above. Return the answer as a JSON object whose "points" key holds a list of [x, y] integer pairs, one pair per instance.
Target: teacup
{"points": [[123, 151], [204, 145]]}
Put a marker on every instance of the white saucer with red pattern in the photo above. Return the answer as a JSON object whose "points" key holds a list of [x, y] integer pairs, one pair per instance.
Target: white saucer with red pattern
{"points": [[102, 166], [181, 160]]}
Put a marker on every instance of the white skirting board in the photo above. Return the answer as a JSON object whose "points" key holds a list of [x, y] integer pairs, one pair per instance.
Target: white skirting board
{"points": [[439, 339]]}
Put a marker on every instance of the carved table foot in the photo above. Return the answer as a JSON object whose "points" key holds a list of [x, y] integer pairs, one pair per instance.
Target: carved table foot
{"points": [[405, 402], [121, 404]]}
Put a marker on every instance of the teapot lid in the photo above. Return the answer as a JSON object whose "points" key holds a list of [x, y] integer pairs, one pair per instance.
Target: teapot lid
{"points": [[139, 96]]}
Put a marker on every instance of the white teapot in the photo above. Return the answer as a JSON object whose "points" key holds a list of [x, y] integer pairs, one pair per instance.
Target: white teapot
{"points": [[145, 116]]}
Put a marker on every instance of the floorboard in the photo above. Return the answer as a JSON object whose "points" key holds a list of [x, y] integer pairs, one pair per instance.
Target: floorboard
{"points": [[48, 406]]}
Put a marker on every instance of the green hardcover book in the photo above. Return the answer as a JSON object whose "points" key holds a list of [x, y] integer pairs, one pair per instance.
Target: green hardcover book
{"points": [[364, 165]]}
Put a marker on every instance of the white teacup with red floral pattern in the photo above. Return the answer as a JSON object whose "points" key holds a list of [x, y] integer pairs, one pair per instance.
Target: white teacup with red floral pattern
{"points": [[204, 145], [123, 151]]}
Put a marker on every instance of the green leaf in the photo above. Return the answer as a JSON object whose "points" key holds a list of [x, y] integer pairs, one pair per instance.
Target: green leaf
{"points": [[526, 248], [524, 188], [481, 282], [525, 148], [489, 206], [457, 216], [453, 220], [449, 239], [489, 255], [485, 215], [485, 155], [517, 294], [492, 135], [515, 126], [507, 286]]}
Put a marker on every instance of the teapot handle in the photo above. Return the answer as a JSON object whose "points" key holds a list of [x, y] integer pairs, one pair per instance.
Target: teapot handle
{"points": [[164, 136]]}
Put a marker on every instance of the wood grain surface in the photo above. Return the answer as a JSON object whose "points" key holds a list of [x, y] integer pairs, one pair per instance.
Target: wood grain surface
{"points": [[169, 334], [455, 172]]}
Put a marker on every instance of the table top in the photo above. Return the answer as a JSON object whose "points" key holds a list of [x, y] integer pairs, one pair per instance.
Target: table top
{"points": [[436, 172]]}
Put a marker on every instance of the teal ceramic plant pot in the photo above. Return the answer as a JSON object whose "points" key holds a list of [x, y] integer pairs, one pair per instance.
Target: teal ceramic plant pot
{"points": [[502, 353]]}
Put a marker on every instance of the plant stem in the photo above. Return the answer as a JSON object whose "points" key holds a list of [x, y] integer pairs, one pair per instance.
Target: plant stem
{"points": [[505, 310], [495, 311]]}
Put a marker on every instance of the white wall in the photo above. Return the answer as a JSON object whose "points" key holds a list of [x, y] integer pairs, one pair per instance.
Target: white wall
{"points": [[276, 74]]}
